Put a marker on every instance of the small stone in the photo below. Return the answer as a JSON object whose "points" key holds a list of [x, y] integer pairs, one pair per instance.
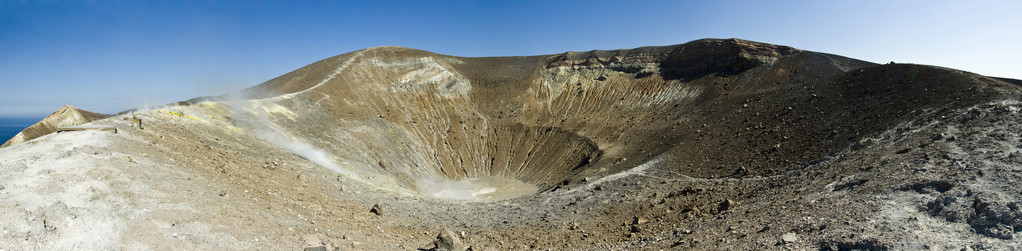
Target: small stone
{"points": [[448, 241], [789, 238], [377, 209], [867, 142], [726, 204], [638, 220]]}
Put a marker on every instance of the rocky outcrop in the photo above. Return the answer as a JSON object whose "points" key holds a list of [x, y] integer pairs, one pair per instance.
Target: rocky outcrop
{"points": [[691, 60], [67, 115], [448, 241]]}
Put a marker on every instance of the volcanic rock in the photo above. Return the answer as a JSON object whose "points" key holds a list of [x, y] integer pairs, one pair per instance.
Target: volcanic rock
{"points": [[377, 209], [789, 238], [448, 241]]}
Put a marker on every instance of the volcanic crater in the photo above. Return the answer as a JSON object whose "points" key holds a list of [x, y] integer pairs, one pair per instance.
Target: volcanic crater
{"points": [[711, 144], [421, 118]]}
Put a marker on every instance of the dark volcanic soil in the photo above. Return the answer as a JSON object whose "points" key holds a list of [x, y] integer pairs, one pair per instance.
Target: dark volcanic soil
{"points": [[712, 144]]}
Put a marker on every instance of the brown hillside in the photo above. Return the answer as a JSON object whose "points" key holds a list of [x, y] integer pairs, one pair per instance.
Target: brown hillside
{"points": [[67, 115]]}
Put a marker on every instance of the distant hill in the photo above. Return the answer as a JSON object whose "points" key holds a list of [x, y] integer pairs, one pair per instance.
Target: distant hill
{"points": [[67, 115]]}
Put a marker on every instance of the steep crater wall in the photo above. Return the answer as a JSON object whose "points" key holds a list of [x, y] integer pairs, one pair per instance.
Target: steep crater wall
{"points": [[423, 119]]}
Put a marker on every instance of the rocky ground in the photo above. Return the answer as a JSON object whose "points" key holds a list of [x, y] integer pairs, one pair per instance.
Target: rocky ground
{"points": [[756, 147]]}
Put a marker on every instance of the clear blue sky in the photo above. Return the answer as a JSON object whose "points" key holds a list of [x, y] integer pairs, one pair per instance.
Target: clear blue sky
{"points": [[112, 56]]}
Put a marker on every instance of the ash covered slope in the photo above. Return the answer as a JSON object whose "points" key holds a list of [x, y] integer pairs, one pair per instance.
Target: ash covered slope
{"points": [[67, 115]]}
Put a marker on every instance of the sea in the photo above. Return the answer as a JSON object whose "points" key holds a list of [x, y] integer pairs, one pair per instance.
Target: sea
{"points": [[10, 126]]}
